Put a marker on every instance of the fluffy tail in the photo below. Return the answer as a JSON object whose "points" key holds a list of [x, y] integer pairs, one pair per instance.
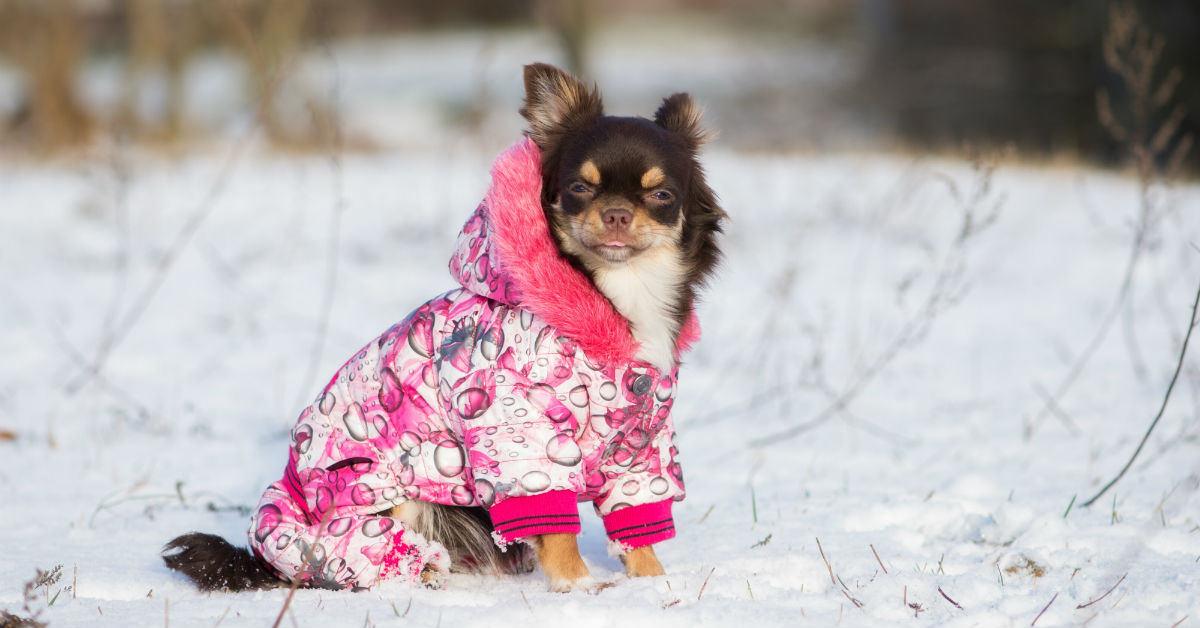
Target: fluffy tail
{"points": [[213, 563]]}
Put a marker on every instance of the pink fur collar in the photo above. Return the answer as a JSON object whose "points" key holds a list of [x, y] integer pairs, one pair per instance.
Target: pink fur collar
{"points": [[506, 252]]}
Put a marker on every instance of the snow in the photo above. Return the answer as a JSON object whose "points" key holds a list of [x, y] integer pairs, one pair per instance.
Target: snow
{"points": [[941, 461]]}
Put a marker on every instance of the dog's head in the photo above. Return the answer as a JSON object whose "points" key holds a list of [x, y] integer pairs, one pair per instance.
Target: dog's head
{"points": [[616, 188]]}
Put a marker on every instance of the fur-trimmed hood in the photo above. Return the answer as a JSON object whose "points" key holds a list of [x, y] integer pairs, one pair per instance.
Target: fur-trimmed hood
{"points": [[505, 252]]}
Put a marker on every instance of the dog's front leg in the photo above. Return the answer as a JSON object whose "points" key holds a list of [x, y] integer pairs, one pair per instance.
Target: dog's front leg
{"points": [[559, 556], [641, 561]]}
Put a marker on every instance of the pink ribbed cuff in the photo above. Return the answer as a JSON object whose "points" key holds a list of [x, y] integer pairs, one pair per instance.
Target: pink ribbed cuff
{"points": [[640, 525], [546, 513]]}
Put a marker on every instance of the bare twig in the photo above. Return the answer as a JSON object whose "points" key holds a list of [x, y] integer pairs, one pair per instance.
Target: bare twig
{"points": [[1044, 609], [1052, 402], [166, 262], [872, 546], [333, 252], [939, 590], [979, 211], [1133, 53], [1162, 408], [307, 564], [827, 565], [916, 607], [705, 584], [1106, 593], [522, 597]]}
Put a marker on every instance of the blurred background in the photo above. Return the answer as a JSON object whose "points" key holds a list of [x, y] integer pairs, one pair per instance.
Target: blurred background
{"points": [[1074, 79]]}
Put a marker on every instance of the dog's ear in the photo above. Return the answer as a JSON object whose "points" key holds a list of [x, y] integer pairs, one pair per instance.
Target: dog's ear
{"points": [[681, 115], [555, 103]]}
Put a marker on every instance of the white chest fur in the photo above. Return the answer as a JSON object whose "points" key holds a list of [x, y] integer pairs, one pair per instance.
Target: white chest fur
{"points": [[644, 289]]}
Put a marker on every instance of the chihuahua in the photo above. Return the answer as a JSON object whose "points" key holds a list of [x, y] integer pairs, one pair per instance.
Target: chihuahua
{"points": [[470, 430]]}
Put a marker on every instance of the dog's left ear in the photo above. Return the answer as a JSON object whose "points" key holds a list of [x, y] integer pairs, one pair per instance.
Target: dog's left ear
{"points": [[681, 115]]}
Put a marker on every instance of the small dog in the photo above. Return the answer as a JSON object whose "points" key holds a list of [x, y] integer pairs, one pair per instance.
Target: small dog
{"points": [[545, 379]]}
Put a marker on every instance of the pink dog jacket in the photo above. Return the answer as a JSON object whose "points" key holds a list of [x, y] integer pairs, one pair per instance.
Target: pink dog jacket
{"points": [[517, 392]]}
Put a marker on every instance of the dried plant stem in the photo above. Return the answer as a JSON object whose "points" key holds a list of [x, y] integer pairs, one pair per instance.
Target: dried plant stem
{"points": [[1106, 593], [1044, 609], [827, 565], [1053, 401], [705, 584], [166, 262], [979, 211], [1133, 53], [939, 590], [300, 576], [872, 546], [333, 253], [1162, 408]]}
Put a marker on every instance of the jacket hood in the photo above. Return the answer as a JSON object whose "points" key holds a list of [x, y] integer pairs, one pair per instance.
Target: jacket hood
{"points": [[505, 252]]}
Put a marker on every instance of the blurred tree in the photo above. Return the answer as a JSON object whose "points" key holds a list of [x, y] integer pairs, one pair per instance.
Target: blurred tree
{"points": [[571, 21], [267, 35], [160, 35], [43, 39]]}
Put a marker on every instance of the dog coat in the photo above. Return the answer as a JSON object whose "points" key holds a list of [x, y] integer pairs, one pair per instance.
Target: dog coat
{"points": [[517, 391]]}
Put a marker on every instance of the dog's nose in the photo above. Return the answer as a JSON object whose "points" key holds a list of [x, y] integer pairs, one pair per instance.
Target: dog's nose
{"points": [[617, 219]]}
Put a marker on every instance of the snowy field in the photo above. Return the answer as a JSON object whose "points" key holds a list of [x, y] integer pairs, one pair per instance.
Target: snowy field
{"points": [[941, 459], [874, 429]]}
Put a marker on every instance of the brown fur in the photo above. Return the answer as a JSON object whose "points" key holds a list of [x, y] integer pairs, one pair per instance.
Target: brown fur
{"points": [[590, 173], [641, 561], [558, 554], [653, 177], [466, 533]]}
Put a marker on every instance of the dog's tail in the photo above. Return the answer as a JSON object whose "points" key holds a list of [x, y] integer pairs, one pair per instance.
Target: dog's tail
{"points": [[215, 564]]}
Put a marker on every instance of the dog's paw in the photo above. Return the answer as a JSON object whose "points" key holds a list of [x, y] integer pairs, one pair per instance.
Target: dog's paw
{"points": [[586, 584], [432, 577], [641, 562]]}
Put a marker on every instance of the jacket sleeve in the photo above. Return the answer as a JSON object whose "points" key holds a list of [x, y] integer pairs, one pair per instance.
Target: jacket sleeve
{"points": [[638, 474], [519, 428]]}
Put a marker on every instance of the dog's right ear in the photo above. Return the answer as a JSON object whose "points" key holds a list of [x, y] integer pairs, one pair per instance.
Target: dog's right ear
{"points": [[555, 103]]}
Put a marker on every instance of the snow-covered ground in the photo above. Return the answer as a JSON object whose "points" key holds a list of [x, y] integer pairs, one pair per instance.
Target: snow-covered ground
{"points": [[939, 462], [868, 377]]}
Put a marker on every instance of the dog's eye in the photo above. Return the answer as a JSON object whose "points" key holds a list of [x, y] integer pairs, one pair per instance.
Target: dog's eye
{"points": [[579, 188], [662, 196]]}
